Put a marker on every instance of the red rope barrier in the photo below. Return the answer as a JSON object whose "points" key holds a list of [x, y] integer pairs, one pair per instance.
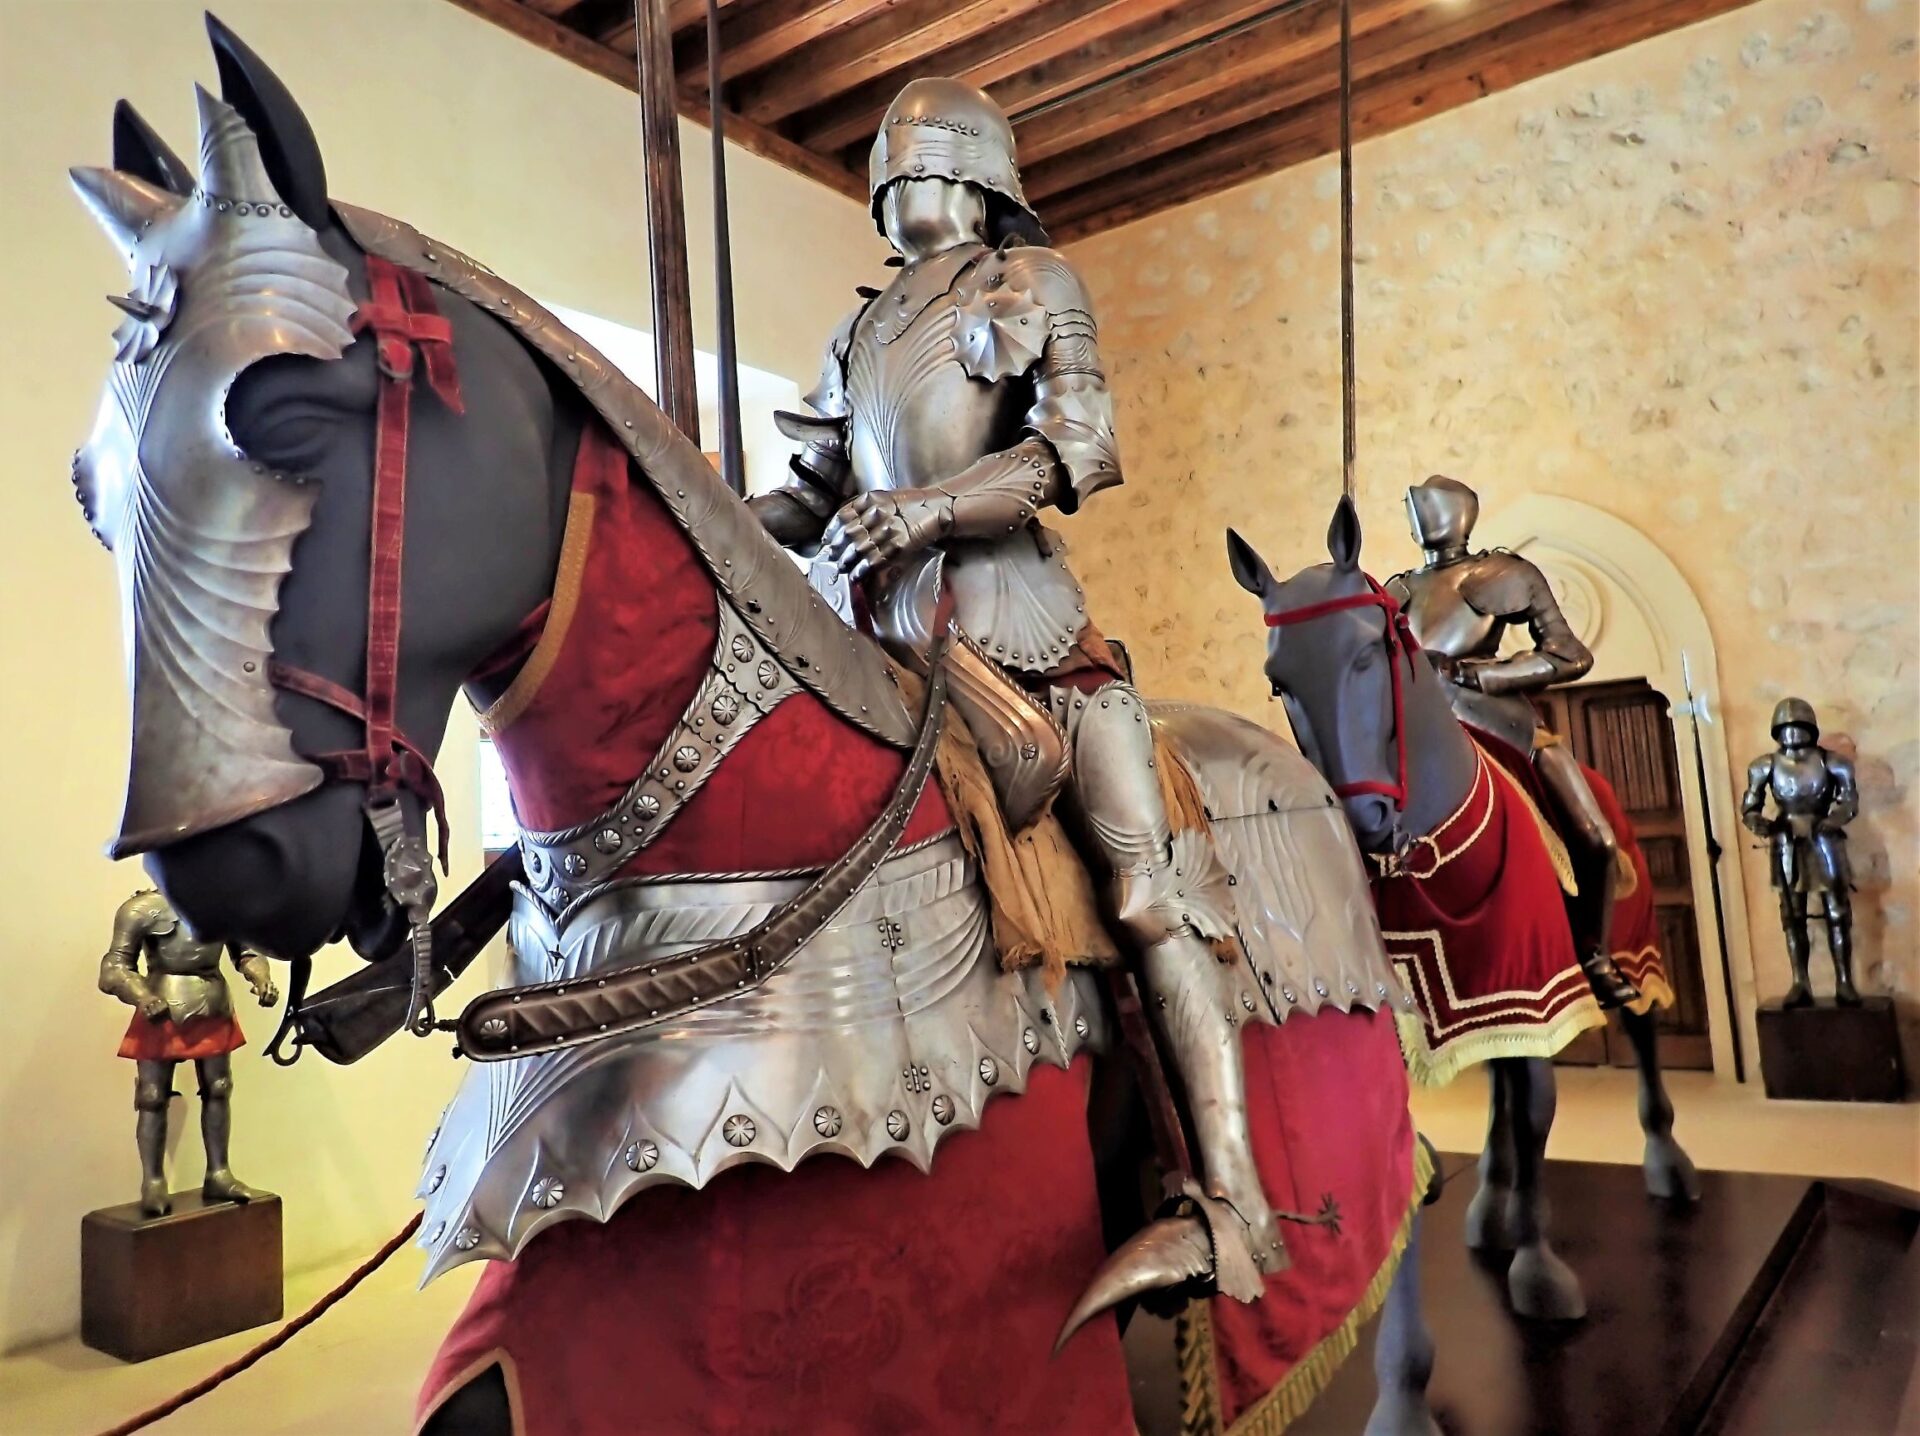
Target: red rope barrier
{"points": [[273, 1343]]}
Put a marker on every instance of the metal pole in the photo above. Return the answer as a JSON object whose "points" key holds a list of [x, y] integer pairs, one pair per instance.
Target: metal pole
{"points": [[733, 465], [1348, 443], [666, 219]]}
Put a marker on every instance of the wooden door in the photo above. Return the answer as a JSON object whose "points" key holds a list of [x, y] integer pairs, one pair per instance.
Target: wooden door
{"points": [[1622, 728]]}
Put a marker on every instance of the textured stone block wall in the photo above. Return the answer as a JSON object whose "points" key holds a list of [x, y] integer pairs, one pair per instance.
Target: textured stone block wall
{"points": [[1677, 282]]}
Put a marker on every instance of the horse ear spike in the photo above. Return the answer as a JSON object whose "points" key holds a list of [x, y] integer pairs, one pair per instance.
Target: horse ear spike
{"points": [[122, 205]]}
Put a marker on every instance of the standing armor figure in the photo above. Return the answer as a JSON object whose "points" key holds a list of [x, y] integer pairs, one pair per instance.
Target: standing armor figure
{"points": [[1460, 603], [952, 408], [182, 1012], [1814, 798]]}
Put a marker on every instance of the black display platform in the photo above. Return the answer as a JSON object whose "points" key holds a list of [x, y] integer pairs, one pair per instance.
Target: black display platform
{"points": [[150, 1285], [1826, 1053], [1674, 1296]]}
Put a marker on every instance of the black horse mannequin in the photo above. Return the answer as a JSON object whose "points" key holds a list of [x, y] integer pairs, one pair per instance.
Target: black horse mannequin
{"points": [[1333, 676]]}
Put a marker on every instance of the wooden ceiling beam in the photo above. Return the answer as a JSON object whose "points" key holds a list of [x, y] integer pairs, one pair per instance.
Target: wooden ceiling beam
{"points": [[1385, 48], [1524, 49], [1061, 27], [1306, 36], [557, 39], [903, 35], [762, 34], [682, 15]]}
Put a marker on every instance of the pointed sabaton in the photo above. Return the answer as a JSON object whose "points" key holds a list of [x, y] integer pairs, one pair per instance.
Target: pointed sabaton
{"points": [[123, 205], [230, 165]]}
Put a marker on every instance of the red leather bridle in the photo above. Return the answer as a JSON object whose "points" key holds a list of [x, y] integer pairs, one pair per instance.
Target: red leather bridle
{"points": [[1401, 644], [410, 331]]}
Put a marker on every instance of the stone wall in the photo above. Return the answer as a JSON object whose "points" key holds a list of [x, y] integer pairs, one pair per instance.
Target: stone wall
{"points": [[1677, 282]]}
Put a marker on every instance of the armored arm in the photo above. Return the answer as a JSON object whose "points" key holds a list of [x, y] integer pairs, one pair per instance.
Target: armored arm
{"points": [[1753, 802], [1513, 589], [254, 968], [1845, 804], [797, 511], [120, 974]]}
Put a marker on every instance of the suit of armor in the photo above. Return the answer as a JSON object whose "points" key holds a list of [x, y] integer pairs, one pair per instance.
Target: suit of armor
{"points": [[1460, 603], [953, 407], [182, 1012], [1814, 797]]}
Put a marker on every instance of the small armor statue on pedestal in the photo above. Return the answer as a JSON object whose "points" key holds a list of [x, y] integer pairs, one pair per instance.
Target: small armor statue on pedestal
{"points": [[182, 1012], [1814, 798]]}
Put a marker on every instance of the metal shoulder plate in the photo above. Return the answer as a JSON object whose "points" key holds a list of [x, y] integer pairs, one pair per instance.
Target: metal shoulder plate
{"points": [[1504, 585], [145, 913], [755, 576], [828, 397]]}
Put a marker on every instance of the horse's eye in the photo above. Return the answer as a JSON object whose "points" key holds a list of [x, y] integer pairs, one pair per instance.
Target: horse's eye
{"points": [[1363, 660]]}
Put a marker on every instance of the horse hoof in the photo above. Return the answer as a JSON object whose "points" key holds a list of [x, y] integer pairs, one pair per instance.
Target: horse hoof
{"points": [[1669, 1172], [1489, 1228], [1402, 1413], [1544, 1288]]}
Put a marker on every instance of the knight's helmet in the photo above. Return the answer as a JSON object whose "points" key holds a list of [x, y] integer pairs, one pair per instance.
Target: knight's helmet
{"points": [[1795, 713], [1442, 512], [938, 128]]}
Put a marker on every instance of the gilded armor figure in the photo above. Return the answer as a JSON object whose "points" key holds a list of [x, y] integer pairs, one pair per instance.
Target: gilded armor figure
{"points": [[182, 1012], [953, 407], [1814, 797], [1460, 603]]}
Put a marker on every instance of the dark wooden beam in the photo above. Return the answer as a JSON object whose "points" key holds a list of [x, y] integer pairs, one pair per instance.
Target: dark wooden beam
{"points": [[611, 65], [666, 221], [1308, 35], [682, 15], [1525, 49], [1387, 46], [903, 35], [763, 33], [1060, 27]]}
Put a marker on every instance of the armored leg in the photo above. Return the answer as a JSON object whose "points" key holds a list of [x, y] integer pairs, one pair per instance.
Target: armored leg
{"points": [[1539, 1284], [1595, 852], [1666, 1166], [1171, 898], [216, 1127], [1793, 918], [1403, 1354], [152, 1086], [1838, 909], [1488, 1228]]}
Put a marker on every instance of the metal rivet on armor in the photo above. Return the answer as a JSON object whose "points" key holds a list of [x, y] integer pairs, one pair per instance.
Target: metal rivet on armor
{"points": [[608, 840], [439, 1230], [494, 1027], [741, 647], [897, 1125], [1080, 1027], [1353, 987], [547, 1192], [1030, 1040], [574, 864], [249, 666], [285, 213], [989, 1071], [1232, 881], [826, 1121], [438, 1175], [1380, 989], [430, 1141], [467, 1238], [642, 1156], [739, 1130], [1287, 992], [686, 758], [726, 708], [943, 1109], [767, 673], [1319, 987], [1246, 1002]]}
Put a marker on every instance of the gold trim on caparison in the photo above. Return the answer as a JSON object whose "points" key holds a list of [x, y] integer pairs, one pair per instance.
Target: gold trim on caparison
{"points": [[567, 580]]}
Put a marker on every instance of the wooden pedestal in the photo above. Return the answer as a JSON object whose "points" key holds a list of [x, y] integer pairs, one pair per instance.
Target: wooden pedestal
{"points": [[150, 1285], [1826, 1053]]}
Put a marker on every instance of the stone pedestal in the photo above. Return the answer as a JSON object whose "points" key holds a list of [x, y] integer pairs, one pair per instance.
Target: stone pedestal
{"points": [[1826, 1053], [150, 1285]]}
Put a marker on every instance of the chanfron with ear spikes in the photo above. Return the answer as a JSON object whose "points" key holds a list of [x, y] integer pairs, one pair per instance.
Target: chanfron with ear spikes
{"points": [[125, 207]]}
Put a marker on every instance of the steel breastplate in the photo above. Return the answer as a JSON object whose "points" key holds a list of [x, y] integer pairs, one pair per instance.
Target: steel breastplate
{"points": [[190, 995], [893, 1027], [1442, 619], [1801, 786]]}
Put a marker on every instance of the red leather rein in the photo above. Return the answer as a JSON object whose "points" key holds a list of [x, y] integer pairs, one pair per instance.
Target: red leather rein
{"points": [[1401, 644], [409, 329]]}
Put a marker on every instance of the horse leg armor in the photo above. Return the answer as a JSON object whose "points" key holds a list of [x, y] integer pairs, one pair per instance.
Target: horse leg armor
{"points": [[1171, 897]]}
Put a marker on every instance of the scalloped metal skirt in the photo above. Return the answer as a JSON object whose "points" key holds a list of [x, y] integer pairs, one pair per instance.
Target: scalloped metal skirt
{"points": [[893, 1027]]}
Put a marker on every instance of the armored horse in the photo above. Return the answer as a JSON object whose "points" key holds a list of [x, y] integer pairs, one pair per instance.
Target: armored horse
{"points": [[1468, 879], [347, 473]]}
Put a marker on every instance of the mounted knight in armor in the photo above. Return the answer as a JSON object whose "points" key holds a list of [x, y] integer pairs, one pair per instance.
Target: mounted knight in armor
{"points": [[953, 407], [1460, 603], [1814, 797]]}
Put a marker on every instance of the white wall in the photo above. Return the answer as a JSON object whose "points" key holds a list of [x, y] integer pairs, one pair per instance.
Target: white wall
{"points": [[525, 162]]}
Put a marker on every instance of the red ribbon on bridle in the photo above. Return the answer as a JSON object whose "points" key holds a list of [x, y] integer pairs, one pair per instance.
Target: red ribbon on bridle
{"points": [[1400, 644]]}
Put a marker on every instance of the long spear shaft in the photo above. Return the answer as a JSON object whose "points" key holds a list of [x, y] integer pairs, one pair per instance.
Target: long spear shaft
{"points": [[733, 465], [666, 218], [1348, 443]]}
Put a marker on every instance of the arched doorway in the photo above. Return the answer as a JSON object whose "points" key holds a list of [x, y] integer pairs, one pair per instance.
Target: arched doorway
{"points": [[1628, 602]]}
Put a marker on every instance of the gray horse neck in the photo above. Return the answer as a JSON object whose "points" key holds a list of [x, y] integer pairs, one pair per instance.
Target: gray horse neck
{"points": [[1441, 760]]}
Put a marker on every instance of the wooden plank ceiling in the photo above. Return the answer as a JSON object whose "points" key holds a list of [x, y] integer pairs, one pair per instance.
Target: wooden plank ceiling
{"points": [[1120, 107]]}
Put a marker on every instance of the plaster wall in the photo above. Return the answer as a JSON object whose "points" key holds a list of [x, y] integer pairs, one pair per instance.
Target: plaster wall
{"points": [[423, 111], [1677, 283]]}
